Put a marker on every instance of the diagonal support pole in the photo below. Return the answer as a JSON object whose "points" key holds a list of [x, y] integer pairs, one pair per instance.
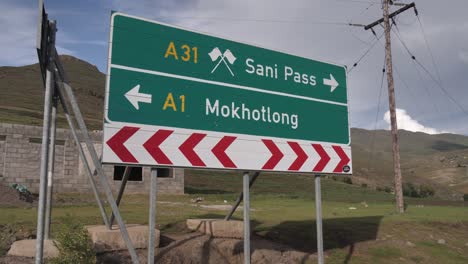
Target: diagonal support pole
{"points": [[97, 165], [127, 172], [241, 196], [83, 156]]}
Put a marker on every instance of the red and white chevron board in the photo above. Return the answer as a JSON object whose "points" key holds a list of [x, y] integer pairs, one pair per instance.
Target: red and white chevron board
{"points": [[163, 146]]}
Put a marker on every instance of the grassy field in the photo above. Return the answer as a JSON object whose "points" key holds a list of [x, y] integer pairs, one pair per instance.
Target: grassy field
{"points": [[283, 210]]}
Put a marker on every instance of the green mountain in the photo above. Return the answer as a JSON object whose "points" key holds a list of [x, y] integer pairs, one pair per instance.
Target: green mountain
{"points": [[22, 93], [436, 160]]}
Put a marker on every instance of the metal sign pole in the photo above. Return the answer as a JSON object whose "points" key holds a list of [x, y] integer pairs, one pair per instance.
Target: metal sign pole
{"points": [[318, 213], [51, 162], [239, 199], [246, 218], [44, 154], [152, 215]]}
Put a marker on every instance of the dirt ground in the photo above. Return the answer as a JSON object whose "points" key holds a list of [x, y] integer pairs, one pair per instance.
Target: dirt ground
{"points": [[11, 197], [197, 248]]}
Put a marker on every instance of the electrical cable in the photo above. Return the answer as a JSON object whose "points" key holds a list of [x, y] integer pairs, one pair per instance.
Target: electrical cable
{"points": [[365, 53], [413, 62], [439, 84], [371, 152], [429, 48]]}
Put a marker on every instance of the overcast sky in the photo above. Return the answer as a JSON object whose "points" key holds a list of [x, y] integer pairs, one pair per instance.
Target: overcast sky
{"points": [[310, 28]]}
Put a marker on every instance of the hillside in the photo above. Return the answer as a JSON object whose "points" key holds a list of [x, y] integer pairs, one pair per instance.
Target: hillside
{"points": [[21, 92], [436, 160]]}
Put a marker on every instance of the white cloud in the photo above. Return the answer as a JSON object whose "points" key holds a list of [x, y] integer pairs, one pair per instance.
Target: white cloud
{"points": [[406, 122], [18, 38]]}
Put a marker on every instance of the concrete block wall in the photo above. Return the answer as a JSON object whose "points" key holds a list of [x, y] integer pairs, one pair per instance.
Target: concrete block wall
{"points": [[20, 147]]}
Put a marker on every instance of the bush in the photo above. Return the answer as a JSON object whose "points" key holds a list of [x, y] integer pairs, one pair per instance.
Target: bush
{"points": [[423, 191], [410, 190], [74, 244], [387, 189], [426, 191], [364, 185], [465, 197], [7, 237]]}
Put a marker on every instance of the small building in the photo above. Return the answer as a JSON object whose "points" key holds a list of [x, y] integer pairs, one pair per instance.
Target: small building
{"points": [[20, 148]]}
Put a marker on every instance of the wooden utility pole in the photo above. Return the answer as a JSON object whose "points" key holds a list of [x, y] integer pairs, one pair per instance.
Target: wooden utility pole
{"points": [[391, 97], [391, 103]]}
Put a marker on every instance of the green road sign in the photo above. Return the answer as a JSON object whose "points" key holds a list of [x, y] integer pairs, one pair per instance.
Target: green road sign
{"points": [[163, 75]]}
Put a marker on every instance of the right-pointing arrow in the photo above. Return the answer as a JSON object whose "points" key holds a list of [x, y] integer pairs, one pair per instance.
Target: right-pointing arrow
{"points": [[344, 159], [301, 156], [331, 82], [134, 97], [276, 154], [324, 158]]}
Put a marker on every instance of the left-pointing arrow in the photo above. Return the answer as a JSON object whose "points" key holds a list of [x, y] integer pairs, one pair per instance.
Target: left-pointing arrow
{"points": [[134, 97], [152, 145], [116, 143]]}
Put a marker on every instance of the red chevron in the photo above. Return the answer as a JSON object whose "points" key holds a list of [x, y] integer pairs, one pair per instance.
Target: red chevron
{"points": [[344, 159], [187, 149], [301, 156], [152, 146], [276, 154], [220, 151], [324, 158], [116, 143]]}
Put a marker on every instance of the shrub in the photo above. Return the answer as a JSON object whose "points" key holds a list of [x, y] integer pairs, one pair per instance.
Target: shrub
{"points": [[426, 191], [364, 185], [7, 237], [410, 190], [379, 189], [465, 197], [387, 189], [74, 244]]}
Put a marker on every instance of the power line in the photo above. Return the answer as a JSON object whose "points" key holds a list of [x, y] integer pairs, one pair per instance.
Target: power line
{"points": [[413, 59], [438, 82], [429, 48], [365, 53], [371, 153], [317, 22]]}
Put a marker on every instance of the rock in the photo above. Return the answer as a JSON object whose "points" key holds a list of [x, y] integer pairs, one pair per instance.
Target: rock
{"points": [[441, 241], [110, 240], [197, 200], [27, 248], [408, 243], [217, 227]]}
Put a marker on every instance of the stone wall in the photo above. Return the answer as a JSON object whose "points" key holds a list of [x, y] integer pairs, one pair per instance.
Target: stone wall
{"points": [[20, 148]]}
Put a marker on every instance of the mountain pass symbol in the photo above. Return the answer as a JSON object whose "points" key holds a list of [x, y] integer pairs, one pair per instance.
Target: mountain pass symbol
{"points": [[216, 55]]}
